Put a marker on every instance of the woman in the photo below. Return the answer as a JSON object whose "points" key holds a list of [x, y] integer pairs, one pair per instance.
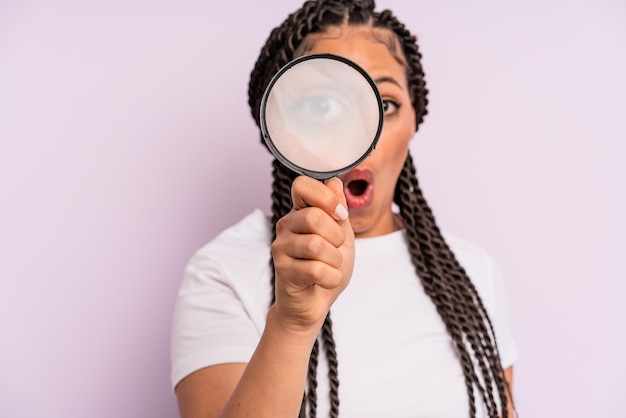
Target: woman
{"points": [[412, 334]]}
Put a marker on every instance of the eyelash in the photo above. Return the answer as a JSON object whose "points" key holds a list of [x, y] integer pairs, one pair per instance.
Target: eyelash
{"points": [[386, 104]]}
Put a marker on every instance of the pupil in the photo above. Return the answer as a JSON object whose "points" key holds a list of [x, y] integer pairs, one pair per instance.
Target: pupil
{"points": [[319, 106]]}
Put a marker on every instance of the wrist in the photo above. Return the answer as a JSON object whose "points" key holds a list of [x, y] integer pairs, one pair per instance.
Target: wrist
{"points": [[298, 336]]}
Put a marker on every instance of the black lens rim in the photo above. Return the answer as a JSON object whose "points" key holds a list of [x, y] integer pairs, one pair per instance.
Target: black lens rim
{"points": [[319, 175]]}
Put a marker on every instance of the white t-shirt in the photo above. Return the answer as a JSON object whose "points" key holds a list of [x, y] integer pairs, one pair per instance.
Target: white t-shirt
{"points": [[395, 357]]}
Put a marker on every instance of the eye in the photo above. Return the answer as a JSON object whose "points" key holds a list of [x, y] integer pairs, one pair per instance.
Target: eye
{"points": [[318, 108], [390, 107]]}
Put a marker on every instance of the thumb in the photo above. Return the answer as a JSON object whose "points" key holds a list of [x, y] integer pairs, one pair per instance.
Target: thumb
{"points": [[336, 185]]}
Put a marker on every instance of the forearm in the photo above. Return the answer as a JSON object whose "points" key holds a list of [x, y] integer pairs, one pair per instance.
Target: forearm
{"points": [[274, 380]]}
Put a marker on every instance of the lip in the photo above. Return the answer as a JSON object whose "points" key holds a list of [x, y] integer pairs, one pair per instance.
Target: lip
{"points": [[364, 199]]}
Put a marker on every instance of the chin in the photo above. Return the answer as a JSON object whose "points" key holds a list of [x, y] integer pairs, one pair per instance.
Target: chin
{"points": [[360, 226]]}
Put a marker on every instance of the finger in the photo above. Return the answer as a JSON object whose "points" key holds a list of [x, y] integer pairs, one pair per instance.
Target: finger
{"points": [[310, 221], [306, 192], [309, 272], [314, 247], [336, 185]]}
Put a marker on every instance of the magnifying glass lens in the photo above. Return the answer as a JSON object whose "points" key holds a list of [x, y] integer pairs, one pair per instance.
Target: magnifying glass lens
{"points": [[321, 115]]}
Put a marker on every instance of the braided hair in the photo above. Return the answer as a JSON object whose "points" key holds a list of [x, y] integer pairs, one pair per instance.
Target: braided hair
{"points": [[444, 280]]}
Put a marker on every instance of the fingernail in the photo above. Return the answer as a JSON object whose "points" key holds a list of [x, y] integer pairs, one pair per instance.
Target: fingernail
{"points": [[341, 212]]}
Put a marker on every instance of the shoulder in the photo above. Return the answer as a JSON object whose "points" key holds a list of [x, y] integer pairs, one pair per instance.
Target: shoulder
{"points": [[236, 251], [245, 238], [252, 231]]}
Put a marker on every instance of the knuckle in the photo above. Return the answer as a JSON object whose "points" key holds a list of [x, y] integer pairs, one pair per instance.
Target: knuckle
{"points": [[325, 275], [315, 218], [281, 224], [319, 272], [275, 247], [314, 246], [298, 185], [338, 237], [338, 261], [280, 258], [298, 181]]}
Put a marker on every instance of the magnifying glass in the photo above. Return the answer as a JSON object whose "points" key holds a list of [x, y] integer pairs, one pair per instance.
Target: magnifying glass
{"points": [[321, 115]]}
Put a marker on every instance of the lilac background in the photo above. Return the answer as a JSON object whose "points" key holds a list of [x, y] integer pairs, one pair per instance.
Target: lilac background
{"points": [[126, 143]]}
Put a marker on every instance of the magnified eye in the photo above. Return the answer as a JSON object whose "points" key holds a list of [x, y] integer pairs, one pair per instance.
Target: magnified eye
{"points": [[324, 108]]}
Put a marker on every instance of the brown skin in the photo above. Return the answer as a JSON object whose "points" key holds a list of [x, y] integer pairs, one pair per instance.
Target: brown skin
{"points": [[205, 392], [313, 246]]}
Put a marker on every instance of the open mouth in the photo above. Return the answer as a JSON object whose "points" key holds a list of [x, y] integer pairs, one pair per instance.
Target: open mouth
{"points": [[359, 188]]}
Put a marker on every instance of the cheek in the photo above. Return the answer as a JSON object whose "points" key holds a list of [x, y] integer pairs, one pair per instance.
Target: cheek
{"points": [[395, 140], [401, 128], [390, 155], [393, 145], [397, 147]]}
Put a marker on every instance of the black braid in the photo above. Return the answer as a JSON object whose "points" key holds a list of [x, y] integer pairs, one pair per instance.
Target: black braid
{"points": [[420, 249], [417, 83], [453, 294], [443, 279], [281, 203], [331, 355], [311, 397]]}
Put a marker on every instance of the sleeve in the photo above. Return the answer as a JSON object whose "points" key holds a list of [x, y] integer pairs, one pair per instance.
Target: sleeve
{"points": [[498, 307], [211, 325]]}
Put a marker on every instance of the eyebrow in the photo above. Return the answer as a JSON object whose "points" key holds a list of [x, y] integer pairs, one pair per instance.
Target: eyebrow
{"points": [[388, 80]]}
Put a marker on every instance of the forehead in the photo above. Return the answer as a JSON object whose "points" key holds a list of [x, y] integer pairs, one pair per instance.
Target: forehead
{"points": [[377, 50]]}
